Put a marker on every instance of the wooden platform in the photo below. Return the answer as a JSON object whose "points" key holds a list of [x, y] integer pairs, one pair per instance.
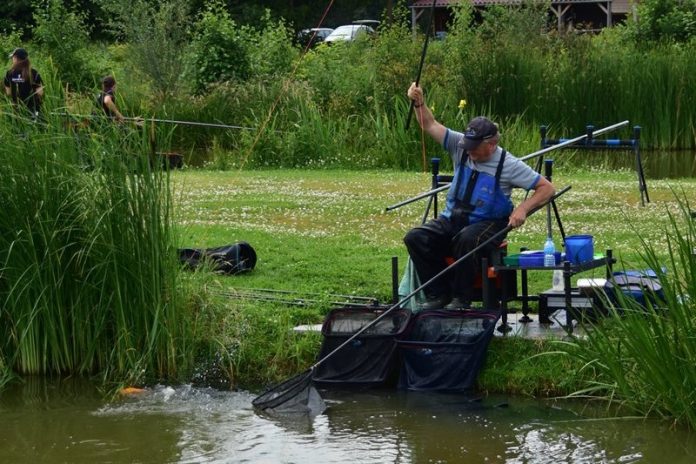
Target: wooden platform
{"points": [[534, 330], [531, 330]]}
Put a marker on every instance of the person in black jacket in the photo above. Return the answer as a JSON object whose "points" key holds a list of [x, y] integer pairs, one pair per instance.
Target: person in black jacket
{"points": [[23, 83]]}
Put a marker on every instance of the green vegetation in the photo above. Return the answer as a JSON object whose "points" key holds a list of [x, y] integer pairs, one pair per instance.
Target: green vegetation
{"points": [[89, 279], [333, 107], [91, 286], [642, 357]]}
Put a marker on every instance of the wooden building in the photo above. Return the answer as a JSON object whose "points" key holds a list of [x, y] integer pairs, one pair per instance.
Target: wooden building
{"points": [[584, 15]]}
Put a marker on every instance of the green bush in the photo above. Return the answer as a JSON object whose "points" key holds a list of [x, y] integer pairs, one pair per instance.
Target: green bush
{"points": [[664, 20], [397, 56], [270, 47], [157, 33], [9, 40], [218, 51], [341, 76], [64, 36]]}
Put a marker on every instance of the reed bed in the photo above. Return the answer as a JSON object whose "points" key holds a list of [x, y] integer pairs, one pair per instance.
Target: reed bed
{"points": [[87, 263], [642, 357]]}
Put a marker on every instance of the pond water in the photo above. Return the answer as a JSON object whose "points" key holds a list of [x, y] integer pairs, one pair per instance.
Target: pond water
{"points": [[656, 164], [69, 422]]}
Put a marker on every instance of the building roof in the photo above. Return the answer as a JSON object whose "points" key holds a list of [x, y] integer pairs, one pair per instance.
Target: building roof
{"points": [[617, 6]]}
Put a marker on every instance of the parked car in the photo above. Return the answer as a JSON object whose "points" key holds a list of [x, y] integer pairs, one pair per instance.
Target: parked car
{"points": [[348, 33], [313, 36], [373, 23]]}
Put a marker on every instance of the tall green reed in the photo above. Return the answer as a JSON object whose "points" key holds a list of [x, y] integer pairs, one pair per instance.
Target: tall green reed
{"points": [[88, 270], [642, 357]]}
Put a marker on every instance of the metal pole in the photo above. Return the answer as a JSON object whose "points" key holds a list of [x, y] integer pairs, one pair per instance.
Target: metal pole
{"points": [[572, 141], [418, 197], [168, 121]]}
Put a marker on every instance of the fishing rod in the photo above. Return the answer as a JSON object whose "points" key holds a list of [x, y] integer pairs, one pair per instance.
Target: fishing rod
{"points": [[565, 143], [166, 121], [332, 295], [422, 60], [297, 301]]}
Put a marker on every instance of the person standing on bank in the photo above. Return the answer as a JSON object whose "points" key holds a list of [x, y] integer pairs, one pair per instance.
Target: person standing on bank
{"points": [[478, 205], [23, 83], [106, 100]]}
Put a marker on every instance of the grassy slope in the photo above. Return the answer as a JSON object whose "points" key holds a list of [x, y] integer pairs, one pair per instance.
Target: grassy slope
{"points": [[328, 232]]}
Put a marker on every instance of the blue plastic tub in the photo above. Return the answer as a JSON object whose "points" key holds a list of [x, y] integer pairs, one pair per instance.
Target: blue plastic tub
{"points": [[536, 259], [579, 248]]}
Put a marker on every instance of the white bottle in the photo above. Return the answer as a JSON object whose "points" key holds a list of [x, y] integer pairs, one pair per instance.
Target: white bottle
{"points": [[549, 253]]}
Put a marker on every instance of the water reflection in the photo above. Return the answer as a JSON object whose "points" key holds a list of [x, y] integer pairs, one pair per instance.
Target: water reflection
{"points": [[657, 164], [62, 422]]}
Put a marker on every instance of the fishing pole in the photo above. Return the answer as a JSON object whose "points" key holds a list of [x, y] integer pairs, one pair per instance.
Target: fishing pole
{"points": [[166, 121], [291, 292], [565, 143], [422, 60], [296, 301]]}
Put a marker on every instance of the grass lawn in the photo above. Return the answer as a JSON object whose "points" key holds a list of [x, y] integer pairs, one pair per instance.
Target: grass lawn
{"points": [[327, 232]]}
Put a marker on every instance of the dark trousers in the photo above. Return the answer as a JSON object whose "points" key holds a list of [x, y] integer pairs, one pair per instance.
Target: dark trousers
{"points": [[429, 245]]}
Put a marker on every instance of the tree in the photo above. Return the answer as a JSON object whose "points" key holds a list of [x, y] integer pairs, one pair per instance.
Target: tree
{"points": [[673, 20], [157, 34]]}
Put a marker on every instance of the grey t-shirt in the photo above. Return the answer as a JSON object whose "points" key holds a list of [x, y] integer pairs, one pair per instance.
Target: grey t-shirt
{"points": [[515, 173]]}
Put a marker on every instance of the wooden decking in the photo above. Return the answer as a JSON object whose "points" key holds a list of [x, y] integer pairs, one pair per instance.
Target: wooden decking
{"points": [[529, 330]]}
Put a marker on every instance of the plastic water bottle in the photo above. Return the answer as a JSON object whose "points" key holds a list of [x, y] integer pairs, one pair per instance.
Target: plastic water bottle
{"points": [[549, 253]]}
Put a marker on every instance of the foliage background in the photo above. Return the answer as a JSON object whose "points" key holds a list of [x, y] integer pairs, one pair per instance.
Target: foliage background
{"points": [[345, 105]]}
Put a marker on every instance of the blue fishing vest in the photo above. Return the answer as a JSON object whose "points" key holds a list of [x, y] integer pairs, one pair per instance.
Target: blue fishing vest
{"points": [[476, 196]]}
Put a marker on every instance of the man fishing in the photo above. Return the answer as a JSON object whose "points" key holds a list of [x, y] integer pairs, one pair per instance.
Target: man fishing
{"points": [[23, 83], [478, 205]]}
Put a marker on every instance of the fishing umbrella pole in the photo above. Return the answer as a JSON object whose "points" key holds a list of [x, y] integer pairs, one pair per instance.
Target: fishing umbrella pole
{"points": [[192, 123], [530, 156]]}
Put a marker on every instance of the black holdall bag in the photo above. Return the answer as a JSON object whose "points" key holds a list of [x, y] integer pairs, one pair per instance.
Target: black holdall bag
{"points": [[229, 259]]}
